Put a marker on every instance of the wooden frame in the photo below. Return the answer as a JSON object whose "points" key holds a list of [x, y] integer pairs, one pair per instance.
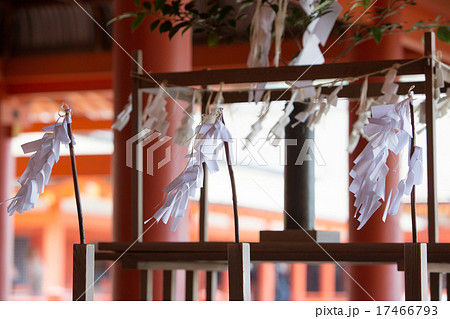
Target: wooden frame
{"points": [[413, 259]]}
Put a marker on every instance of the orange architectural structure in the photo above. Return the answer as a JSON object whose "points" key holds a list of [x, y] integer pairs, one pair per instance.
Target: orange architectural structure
{"points": [[44, 237]]}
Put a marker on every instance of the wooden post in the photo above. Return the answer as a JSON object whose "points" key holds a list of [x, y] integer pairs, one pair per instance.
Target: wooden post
{"points": [[211, 285], [416, 274], [137, 210], [239, 271], [435, 286], [448, 287], [146, 285], [83, 272], [430, 104], [191, 285], [169, 285], [203, 212]]}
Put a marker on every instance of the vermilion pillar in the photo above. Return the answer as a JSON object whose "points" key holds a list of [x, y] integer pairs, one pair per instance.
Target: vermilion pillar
{"points": [[160, 55], [6, 222], [381, 282]]}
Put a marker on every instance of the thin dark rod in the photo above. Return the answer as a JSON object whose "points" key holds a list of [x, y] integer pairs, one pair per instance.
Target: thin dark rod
{"points": [[413, 191], [75, 182], [233, 189]]}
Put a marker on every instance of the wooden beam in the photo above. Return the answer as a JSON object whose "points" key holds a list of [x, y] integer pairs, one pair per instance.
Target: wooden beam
{"points": [[83, 272], [282, 73]]}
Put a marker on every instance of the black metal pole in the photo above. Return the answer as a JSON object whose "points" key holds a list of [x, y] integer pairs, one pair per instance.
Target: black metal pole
{"points": [[298, 179], [75, 182], [413, 191]]}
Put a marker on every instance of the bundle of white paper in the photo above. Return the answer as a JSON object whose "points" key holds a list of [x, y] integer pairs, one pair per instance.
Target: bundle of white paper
{"points": [[40, 165], [389, 129], [185, 133], [210, 138], [154, 114], [124, 117]]}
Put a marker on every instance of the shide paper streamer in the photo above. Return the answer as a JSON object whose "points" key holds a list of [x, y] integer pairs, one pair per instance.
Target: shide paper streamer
{"points": [[388, 129], [185, 132], [39, 168], [210, 137]]}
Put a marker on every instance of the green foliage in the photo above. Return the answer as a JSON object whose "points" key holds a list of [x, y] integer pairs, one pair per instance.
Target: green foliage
{"points": [[220, 22], [377, 34], [443, 33]]}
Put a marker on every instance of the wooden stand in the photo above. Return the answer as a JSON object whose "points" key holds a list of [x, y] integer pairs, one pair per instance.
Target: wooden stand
{"points": [[83, 272], [239, 271]]}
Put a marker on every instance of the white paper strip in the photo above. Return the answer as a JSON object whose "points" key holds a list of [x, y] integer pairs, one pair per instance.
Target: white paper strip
{"points": [[154, 113], [39, 168], [124, 117]]}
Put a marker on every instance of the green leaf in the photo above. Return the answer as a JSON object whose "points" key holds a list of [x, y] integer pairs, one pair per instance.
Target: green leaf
{"points": [[147, 5], [443, 33], [377, 34], [137, 3], [213, 39], [322, 6], [154, 25], [137, 22], [159, 4], [366, 3], [167, 9], [244, 5], [165, 26]]}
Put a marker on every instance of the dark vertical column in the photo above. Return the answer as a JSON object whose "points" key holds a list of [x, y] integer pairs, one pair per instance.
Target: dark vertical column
{"points": [[298, 177]]}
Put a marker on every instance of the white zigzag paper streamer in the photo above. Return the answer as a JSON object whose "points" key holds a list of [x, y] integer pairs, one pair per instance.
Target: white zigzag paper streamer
{"points": [[210, 138], [389, 129], [257, 126], [277, 131], [185, 132], [39, 168], [123, 117], [154, 114]]}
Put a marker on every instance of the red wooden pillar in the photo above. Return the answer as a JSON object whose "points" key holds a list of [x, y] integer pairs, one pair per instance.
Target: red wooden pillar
{"points": [[159, 55], [381, 282], [6, 222]]}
